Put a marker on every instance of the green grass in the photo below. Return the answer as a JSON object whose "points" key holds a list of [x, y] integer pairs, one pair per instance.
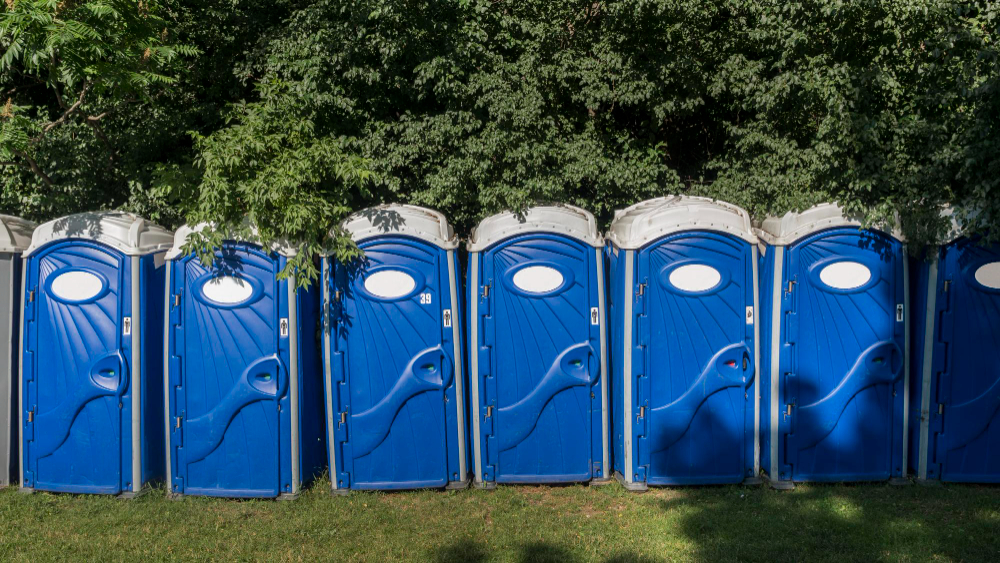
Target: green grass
{"points": [[576, 523]]}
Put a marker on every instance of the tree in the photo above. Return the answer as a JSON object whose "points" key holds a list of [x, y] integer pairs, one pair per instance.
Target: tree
{"points": [[68, 68]]}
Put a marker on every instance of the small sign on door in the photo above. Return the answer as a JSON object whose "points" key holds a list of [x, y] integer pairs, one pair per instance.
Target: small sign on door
{"points": [[283, 327], [749, 315], [899, 313], [595, 316], [127, 326], [446, 317]]}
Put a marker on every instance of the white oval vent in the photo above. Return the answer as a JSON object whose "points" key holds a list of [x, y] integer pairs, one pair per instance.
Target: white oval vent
{"points": [[390, 284], [988, 275], [537, 279], [845, 275], [77, 285], [228, 290], [695, 278]]}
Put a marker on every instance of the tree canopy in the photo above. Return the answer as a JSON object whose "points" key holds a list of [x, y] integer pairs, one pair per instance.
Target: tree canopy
{"points": [[293, 113]]}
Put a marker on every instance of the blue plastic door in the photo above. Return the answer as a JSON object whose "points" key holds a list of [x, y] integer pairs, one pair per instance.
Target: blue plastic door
{"points": [[969, 386], [699, 360], [543, 366], [390, 322], [76, 369], [227, 377], [844, 327]]}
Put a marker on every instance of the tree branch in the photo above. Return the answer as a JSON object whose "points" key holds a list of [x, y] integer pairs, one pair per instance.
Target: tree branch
{"points": [[66, 114], [35, 168]]}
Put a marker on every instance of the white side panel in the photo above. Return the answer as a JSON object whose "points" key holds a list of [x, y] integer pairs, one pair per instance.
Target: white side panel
{"points": [[293, 383], [20, 376], [328, 374], [906, 362], [136, 377], [779, 256], [930, 319], [627, 365], [605, 447], [456, 337], [166, 374], [474, 361], [756, 366]]}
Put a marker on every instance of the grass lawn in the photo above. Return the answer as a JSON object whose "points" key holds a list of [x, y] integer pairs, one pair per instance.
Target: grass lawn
{"points": [[576, 523]]}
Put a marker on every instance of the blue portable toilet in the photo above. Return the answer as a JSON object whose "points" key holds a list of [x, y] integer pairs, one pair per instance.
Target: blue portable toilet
{"points": [[537, 363], [92, 355], [955, 407], [15, 237], [244, 397], [393, 352], [834, 311], [683, 298]]}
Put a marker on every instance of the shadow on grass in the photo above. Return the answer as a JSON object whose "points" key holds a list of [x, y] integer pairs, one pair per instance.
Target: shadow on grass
{"points": [[842, 523]]}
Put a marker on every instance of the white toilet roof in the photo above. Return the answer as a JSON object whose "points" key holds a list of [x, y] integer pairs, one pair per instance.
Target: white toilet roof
{"points": [[644, 222], [562, 219], [128, 233], [399, 219], [792, 226]]}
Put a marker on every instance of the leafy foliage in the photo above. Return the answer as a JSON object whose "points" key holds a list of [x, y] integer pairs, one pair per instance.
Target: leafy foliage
{"points": [[289, 114]]}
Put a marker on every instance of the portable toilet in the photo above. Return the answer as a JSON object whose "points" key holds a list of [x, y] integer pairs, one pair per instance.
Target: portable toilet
{"points": [[834, 309], [683, 301], [537, 343], [92, 355], [15, 236], [393, 354], [244, 397], [955, 411]]}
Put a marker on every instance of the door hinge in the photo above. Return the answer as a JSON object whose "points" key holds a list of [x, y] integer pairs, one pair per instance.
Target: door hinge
{"points": [[940, 408], [947, 285], [31, 415], [177, 300], [177, 424], [343, 418], [642, 289], [791, 285], [486, 291], [336, 295], [31, 296], [788, 409], [489, 411], [642, 412]]}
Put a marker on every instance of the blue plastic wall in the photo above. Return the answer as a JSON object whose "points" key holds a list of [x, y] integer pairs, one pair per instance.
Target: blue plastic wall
{"points": [[692, 362], [393, 371], [840, 360], [76, 387], [230, 402], [963, 414], [538, 364]]}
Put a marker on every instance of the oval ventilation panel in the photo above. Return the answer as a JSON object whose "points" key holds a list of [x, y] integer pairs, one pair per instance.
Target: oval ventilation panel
{"points": [[76, 285], [695, 278], [988, 275], [227, 290], [845, 275], [390, 284], [537, 279]]}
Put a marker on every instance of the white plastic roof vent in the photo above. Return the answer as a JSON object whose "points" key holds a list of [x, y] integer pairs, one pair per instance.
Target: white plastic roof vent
{"points": [[560, 219], [128, 233], [15, 233], [792, 226], [644, 222], [398, 219], [282, 247]]}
